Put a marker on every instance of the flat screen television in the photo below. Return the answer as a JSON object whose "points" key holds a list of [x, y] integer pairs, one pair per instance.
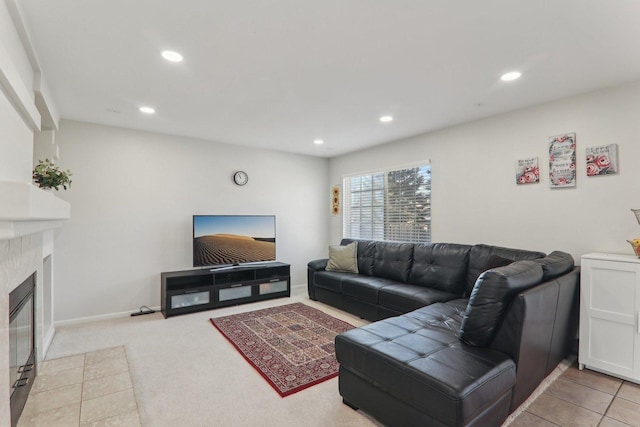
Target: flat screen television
{"points": [[220, 240]]}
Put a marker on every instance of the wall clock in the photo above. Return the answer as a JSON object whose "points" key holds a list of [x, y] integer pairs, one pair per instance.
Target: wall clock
{"points": [[240, 178]]}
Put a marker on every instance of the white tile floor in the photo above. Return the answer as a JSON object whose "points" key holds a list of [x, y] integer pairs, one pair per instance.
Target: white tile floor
{"points": [[89, 389], [584, 398]]}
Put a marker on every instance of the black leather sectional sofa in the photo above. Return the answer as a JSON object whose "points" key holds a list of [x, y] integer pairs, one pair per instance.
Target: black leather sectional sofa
{"points": [[467, 332]]}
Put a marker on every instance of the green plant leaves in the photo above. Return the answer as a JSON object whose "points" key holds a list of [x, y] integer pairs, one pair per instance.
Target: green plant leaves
{"points": [[47, 175]]}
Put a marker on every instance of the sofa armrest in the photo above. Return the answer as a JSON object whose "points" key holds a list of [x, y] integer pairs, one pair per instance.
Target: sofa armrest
{"points": [[312, 267], [538, 330], [318, 264]]}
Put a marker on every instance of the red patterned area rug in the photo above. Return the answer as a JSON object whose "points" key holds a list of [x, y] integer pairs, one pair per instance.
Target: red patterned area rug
{"points": [[291, 345]]}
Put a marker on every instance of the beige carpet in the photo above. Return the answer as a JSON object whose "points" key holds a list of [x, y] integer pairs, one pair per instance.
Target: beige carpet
{"points": [[185, 374]]}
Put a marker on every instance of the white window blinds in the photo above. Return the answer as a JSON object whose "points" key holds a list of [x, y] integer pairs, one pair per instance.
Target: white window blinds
{"points": [[393, 205]]}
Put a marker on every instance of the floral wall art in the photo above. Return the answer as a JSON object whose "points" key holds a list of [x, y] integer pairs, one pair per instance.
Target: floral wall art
{"points": [[602, 160], [562, 160], [335, 200], [527, 171]]}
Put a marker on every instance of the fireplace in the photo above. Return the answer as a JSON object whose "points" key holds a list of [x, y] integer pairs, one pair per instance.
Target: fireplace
{"points": [[22, 352], [26, 247]]}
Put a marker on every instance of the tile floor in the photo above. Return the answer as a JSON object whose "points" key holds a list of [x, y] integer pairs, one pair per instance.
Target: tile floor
{"points": [[584, 398], [90, 389]]}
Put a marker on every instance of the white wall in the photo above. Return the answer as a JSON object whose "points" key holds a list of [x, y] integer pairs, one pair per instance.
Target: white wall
{"points": [[16, 146], [16, 138], [475, 197], [134, 194], [13, 48]]}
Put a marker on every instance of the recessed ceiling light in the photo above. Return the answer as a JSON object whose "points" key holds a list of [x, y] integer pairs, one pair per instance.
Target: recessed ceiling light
{"points": [[386, 119], [147, 110], [513, 75], [171, 56], [318, 141]]}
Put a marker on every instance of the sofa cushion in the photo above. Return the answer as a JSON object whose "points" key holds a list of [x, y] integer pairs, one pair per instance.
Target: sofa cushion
{"points": [[365, 289], [440, 266], [418, 359], [479, 261], [343, 258], [495, 261], [366, 254], [491, 295], [555, 264], [406, 297], [393, 260], [331, 280]]}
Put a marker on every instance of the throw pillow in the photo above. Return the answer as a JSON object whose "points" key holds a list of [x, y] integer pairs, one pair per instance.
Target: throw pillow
{"points": [[343, 258]]}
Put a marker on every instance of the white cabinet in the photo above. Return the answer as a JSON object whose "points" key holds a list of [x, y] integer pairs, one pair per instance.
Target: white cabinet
{"points": [[610, 314]]}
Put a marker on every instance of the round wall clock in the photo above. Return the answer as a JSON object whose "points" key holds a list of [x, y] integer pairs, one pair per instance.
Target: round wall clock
{"points": [[240, 178]]}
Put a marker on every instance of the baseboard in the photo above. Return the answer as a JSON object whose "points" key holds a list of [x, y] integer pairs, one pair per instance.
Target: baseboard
{"points": [[99, 317], [109, 316]]}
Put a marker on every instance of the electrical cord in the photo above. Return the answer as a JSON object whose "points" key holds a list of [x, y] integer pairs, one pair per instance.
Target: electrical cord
{"points": [[141, 312]]}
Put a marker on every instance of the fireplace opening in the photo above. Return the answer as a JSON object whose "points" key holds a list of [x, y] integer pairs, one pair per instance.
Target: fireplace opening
{"points": [[21, 345]]}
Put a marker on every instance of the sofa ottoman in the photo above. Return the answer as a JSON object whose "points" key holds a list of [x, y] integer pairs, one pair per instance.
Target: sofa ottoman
{"points": [[425, 374]]}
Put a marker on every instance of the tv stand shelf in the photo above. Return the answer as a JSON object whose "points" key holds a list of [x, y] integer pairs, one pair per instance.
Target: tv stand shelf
{"points": [[189, 291]]}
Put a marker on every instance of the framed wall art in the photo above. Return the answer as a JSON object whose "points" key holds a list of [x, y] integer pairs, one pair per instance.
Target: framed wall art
{"points": [[562, 160], [527, 171], [602, 160], [335, 200]]}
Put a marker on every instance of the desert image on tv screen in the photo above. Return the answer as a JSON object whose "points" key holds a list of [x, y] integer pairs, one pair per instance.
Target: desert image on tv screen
{"points": [[233, 239]]}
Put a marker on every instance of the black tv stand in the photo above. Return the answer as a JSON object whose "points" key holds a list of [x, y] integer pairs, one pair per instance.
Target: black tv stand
{"points": [[189, 291]]}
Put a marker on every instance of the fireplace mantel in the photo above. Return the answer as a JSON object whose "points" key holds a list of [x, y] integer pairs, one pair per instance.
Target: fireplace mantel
{"points": [[27, 209]]}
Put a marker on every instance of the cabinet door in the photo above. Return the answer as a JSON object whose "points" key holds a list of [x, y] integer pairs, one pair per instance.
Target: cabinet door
{"points": [[234, 293], [609, 310]]}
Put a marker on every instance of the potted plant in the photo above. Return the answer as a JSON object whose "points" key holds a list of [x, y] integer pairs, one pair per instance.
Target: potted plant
{"points": [[47, 175]]}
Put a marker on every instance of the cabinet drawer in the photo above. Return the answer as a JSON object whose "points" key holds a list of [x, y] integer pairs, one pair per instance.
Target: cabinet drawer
{"points": [[273, 287], [234, 293], [190, 299]]}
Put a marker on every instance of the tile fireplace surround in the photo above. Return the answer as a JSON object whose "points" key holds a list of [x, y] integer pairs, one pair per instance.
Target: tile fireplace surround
{"points": [[28, 217]]}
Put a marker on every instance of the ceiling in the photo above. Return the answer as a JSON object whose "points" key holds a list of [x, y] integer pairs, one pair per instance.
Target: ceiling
{"points": [[279, 74]]}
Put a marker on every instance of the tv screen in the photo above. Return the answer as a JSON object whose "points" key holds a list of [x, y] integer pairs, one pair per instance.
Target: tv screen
{"points": [[233, 239]]}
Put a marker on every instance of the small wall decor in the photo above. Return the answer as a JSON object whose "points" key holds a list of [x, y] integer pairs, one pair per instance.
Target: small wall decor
{"points": [[602, 160], [240, 178], [527, 171], [562, 160], [335, 200]]}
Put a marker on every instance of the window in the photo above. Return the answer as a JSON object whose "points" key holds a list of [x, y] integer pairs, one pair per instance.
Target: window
{"points": [[393, 205]]}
